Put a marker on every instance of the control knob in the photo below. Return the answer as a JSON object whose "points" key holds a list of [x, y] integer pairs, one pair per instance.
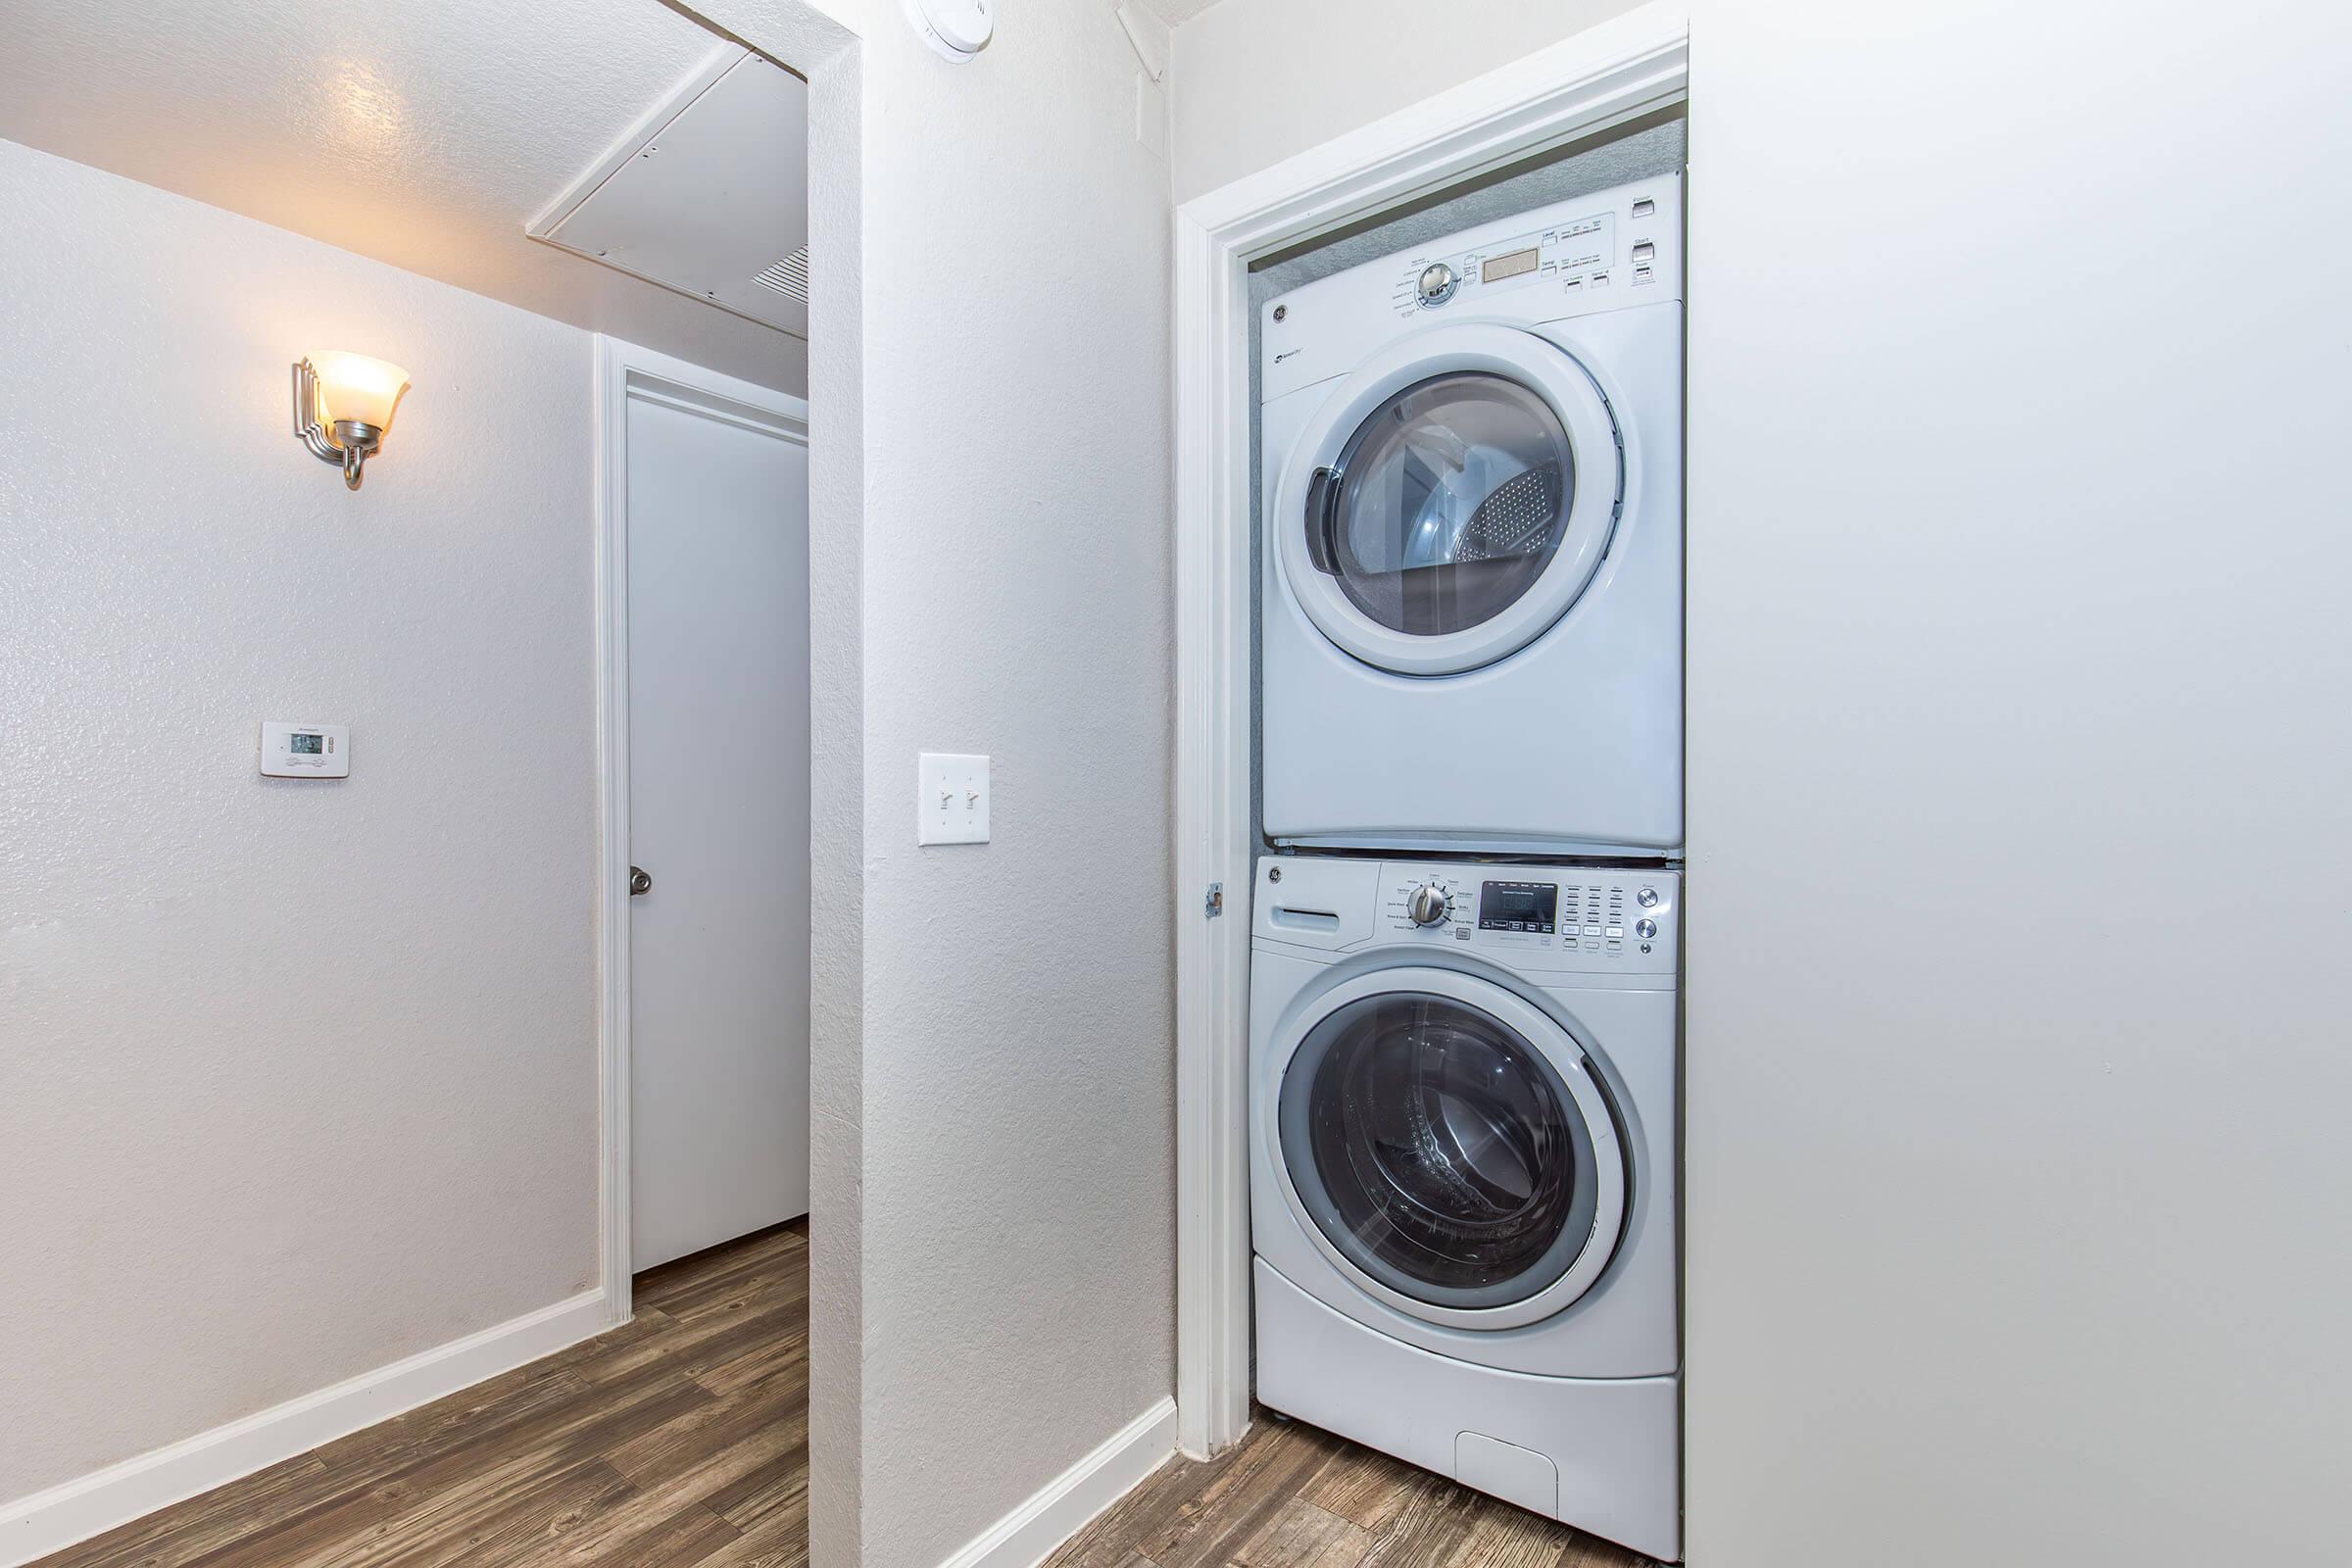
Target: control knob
{"points": [[1436, 283], [1429, 904]]}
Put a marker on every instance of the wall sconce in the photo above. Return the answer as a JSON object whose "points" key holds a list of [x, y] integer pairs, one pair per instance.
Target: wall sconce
{"points": [[343, 405]]}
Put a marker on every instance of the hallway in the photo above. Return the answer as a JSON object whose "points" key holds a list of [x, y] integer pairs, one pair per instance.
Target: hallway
{"points": [[679, 1438]]}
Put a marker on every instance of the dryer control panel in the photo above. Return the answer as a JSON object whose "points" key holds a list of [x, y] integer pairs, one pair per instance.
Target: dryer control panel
{"points": [[1596, 919], [1613, 250], [1576, 255]]}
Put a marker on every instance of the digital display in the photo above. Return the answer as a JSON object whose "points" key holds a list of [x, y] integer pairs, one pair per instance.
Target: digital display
{"points": [[1516, 264], [1518, 907], [307, 744]]}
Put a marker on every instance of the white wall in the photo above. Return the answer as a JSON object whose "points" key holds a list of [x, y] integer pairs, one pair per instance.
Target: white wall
{"points": [[2018, 767], [1008, 1258], [295, 1078], [1255, 81], [2016, 1192]]}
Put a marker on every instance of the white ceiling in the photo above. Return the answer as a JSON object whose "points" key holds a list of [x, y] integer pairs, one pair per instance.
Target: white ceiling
{"points": [[1174, 12], [425, 133]]}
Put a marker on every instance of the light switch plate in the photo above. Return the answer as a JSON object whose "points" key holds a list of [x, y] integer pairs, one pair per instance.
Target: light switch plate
{"points": [[951, 803]]}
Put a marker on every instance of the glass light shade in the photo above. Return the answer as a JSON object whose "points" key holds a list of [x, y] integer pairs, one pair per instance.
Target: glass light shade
{"points": [[353, 386]]}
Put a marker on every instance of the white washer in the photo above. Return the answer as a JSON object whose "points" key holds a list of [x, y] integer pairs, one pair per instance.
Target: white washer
{"points": [[1462, 1175], [1472, 615]]}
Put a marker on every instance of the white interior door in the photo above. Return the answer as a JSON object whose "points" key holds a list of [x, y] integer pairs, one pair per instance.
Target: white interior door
{"points": [[718, 566]]}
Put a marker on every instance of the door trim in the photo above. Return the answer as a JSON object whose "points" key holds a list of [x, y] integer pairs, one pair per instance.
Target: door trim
{"points": [[1603, 76], [626, 373]]}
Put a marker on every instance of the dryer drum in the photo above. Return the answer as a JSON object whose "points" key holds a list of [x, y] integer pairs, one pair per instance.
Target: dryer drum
{"points": [[1452, 499], [1439, 1151]]}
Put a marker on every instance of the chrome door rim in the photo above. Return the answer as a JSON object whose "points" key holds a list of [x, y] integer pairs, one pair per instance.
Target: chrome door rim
{"points": [[1511, 354], [1543, 1034]]}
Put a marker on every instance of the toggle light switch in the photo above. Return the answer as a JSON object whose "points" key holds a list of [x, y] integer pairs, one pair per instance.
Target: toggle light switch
{"points": [[950, 799]]}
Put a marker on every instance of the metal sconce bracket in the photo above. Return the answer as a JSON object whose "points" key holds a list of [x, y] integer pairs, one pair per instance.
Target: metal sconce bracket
{"points": [[347, 442]]}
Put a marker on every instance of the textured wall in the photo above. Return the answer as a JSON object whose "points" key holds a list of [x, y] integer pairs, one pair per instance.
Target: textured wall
{"points": [[296, 1078], [1015, 1096], [1256, 81]]}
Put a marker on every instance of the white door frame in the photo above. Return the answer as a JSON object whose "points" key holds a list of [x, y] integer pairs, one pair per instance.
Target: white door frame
{"points": [[626, 373], [1607, 74]]}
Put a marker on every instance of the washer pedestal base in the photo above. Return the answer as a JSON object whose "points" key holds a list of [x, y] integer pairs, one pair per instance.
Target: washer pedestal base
{"points": [[1614, 1442]]}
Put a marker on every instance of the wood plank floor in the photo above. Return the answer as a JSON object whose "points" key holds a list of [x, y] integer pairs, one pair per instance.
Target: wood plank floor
{"points": [[1293, 1496], [679, 1438]]}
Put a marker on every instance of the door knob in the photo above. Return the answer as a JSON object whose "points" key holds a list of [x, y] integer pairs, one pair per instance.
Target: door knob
{"points": [[640, 881]]}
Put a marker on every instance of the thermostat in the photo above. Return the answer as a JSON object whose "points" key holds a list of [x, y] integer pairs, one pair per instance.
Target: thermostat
{"points": [[305, 751]]}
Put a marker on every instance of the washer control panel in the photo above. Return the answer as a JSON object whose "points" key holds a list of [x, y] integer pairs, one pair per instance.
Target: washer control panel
{"points": [[1590, 918], [1608, 913]]}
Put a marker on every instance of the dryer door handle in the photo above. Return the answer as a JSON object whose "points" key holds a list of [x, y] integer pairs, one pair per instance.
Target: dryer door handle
{"points": [[1323, 520]]}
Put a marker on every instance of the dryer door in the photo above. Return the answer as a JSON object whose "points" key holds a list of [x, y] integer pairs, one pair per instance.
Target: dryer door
{"points": [[1449, 1148], [1452, 499]]}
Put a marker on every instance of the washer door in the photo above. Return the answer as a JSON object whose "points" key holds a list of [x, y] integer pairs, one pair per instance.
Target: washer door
{"points": [[1447, 1147], [1452, 499]]}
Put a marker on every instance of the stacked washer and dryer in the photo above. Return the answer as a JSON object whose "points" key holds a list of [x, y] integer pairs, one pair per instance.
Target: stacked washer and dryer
{"points": [[1463, 991]]}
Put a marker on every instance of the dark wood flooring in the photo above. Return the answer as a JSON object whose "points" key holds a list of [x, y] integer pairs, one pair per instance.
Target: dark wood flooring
{"points": [[679, 1438], [1293, 1496], [681, 1441]]}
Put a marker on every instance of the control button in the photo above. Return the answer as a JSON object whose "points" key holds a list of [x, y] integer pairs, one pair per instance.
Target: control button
{"points": [[1591, 947], [1647, 897], [1643, 250], [1644, 207], [1616, 931], [1645, 928], [1592, 930]]}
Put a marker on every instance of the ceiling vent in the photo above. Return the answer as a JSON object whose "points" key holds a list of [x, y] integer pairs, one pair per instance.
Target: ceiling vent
{"points": [[789, 277], [704, 192]]}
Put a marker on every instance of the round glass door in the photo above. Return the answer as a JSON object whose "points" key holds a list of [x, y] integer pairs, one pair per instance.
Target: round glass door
{"points": [[1446, 504], [1450, 501], [1443, 1156]]}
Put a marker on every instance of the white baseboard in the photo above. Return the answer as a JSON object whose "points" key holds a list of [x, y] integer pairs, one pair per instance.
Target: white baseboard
{"points": [[1027, 1536], [50, 1521]]}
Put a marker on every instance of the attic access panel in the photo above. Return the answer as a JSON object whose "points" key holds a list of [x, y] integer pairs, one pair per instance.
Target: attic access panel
{"points": [[708, 195]]}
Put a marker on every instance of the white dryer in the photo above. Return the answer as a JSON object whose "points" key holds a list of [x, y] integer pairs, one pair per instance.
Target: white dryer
{"points": [[1472, 606], [1462, 1175]]}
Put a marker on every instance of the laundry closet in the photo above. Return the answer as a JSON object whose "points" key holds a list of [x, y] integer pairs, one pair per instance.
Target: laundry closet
{"points": [[1463, 1076]]}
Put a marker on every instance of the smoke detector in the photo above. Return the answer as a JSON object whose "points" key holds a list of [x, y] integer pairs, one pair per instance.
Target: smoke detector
{"points": [[956, 28]]}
